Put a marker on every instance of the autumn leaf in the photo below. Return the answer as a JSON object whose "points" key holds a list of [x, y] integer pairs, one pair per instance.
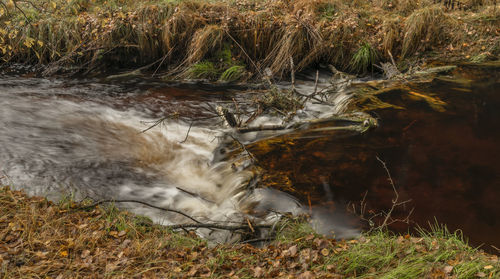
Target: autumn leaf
{"points": [[325, 252], [258, 272]]}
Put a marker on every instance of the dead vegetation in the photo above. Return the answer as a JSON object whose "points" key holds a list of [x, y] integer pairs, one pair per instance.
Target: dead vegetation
{"points": [[41, 239], [173, 36]]}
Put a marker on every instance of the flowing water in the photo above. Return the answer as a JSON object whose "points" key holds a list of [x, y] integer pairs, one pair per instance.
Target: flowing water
{"points": [[92, 139], [439, 139]]}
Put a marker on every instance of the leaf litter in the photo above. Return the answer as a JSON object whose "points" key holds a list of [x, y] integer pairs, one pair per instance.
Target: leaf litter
{"points": [[42, 239]]}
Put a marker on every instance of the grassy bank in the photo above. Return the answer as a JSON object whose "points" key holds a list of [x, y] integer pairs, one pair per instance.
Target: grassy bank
{"points": [[234, 40], [40, 239]]}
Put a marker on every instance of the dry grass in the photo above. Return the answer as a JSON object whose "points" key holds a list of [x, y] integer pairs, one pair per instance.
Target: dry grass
{"points": [[424, 28], [261, 34]]}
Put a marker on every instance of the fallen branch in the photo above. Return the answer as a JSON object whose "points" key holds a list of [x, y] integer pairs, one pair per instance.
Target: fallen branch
{"points": [[261, 128], [215, 226], [140, 202]]}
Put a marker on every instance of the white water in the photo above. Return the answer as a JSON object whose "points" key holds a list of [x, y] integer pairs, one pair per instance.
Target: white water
{"points": [[58, 139]]}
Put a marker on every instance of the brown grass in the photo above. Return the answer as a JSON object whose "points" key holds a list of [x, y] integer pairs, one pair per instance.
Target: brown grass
{"points": [[425, 28], [260, 34]]}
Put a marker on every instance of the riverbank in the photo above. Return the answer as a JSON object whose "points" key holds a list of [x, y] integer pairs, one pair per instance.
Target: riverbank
{"points": [[239, 40], [39, 238]]}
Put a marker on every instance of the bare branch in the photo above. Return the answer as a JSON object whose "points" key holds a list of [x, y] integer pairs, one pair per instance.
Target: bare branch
{"points": [[292, 69], [187, 134], [245, 149], [215, 226], [388, 216], [22, 12], [140, 202], [316, 83]]}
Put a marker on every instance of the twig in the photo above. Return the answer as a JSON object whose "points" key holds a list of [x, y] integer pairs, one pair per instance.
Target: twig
{"points": [[388, 219], [316, 83], [162, 60], [5, 8], [140, 202], [238, 113], [214, 226], [187, 134], [292, 73], [494, 247], [246, 54], [33, 5], [244, 148], [194, 195], [392, 59], [156, 123], [261, 128], [17, 7], [253, 240], [388, 215]]}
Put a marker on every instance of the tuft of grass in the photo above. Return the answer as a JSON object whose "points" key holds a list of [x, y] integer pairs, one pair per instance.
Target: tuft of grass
{"points": [[392, 39], [205, 40], [424, 28], [383, 255], [364, 59], [233, 73], [292, 230], [203, 70]]}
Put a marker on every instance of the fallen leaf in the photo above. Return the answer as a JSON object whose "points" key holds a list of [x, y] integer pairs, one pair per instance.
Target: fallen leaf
{"points": [[488, 267], [306, 275], [481, 274], [325, 252], [448, 269], [258, 272], [85, 254]]}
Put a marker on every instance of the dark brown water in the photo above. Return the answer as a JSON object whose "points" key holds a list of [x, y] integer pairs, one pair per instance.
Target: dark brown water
{"points": [[440, 141]]}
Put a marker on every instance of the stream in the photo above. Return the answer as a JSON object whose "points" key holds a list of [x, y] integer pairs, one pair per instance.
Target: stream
{"points": [[438, 137]]}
